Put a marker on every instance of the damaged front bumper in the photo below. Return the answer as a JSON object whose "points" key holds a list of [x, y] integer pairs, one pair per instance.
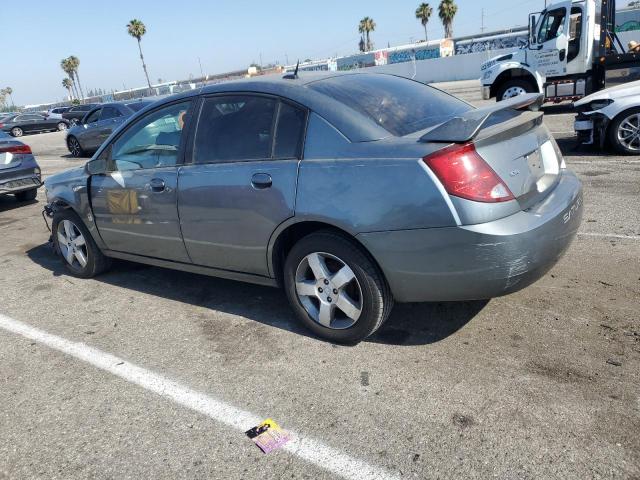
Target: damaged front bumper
{"points": [[591, 128]]}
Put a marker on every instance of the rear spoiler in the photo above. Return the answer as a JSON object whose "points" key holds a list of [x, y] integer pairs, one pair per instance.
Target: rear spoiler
{"points": [[466, 126]]}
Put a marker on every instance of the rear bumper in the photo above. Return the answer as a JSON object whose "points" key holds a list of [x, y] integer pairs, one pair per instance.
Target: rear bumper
{"points": [[480, 261], [19, 184]]}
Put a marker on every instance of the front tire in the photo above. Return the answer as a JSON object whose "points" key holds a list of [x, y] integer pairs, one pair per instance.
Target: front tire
{"points": [[335, 288], [62, 126], [73, 243], [74, 147], [17, 132], [27, 195], [624, 132], [513, 88]]}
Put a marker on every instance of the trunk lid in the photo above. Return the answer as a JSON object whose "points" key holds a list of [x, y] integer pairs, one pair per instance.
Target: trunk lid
{"points": [[512, 141]]}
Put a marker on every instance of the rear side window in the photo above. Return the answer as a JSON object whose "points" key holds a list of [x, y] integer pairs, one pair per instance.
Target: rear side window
{"points": [[234, 128], [93, 116], [289, 132], [399, 105]]}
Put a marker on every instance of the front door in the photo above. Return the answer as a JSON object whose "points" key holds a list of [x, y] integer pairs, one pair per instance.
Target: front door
{"points": [[135, 202], [552, 40], [88, 136], [241, 182]]}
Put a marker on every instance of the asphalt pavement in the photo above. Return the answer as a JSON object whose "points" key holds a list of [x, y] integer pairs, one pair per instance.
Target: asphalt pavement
{"points": [[145, 372]]}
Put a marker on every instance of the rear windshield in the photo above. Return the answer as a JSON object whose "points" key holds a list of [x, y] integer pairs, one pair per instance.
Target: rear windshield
{"points": [[399, 105], [137, 106]]}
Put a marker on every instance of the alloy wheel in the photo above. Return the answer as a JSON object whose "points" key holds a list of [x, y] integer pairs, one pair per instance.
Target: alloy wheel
{"points": [[629, 132], [513, 92], [62, 127], [328, 290], [16, 132], [72, 243], [74, 147]]}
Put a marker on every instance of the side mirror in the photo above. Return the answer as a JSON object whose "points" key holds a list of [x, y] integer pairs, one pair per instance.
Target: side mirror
{"points": [[96, 167], [532, 29]]}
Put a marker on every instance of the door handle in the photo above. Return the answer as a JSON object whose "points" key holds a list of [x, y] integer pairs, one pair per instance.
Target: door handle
{"points": [[562, 54], [261, 180], [157, 185]]}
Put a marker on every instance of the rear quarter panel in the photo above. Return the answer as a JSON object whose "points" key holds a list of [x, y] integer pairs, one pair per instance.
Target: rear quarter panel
{"points": [[367, 186]]}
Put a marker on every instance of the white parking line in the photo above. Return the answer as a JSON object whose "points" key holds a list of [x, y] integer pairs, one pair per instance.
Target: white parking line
{"points": [[610, 235], [306, 448]]}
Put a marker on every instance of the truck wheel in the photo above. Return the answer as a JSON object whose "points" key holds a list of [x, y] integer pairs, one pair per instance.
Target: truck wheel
{"points": [[624, 132], [513, 88]]}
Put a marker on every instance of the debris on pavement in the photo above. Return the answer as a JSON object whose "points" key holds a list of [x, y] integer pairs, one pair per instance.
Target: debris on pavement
{"points": [[268, 435], [616, 363]]}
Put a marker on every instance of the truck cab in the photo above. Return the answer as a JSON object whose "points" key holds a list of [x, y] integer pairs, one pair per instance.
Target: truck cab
{"points": [[570, 50]]}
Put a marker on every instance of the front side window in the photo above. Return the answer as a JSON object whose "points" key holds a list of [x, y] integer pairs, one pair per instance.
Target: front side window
{"points": [[234, 128], [552, 25], [110, 112], [153, 141], [93, 116]]}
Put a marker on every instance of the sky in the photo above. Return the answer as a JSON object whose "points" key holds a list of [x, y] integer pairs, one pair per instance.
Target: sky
{"points": [[224, 35]]}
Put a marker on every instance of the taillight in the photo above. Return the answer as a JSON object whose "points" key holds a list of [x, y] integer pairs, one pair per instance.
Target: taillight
{"points": [[16, 149], [465, 174]]}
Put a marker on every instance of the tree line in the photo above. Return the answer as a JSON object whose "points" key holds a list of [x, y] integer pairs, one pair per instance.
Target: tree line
{"points": [[447, 9]]}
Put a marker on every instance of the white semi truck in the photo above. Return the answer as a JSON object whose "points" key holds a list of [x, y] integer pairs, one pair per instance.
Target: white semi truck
{"points": [[573, 51]]}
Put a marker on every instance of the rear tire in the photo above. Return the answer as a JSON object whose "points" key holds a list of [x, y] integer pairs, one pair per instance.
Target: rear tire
{"points": [[74, 147], [27, 195], [74, 244], [365, 295], [16, 132], [513, 88], [624, 132], [62, 126]]}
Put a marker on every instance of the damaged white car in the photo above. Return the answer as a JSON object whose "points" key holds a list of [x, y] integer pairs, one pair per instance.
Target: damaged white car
{"points": [[611, 116]]}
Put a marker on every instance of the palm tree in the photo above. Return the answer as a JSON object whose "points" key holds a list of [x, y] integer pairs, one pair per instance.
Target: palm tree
{"points": [[75, 64], [3, 98], [423, 13], [67, 83], [137, 29], [446, 11], [67, 68], [366, 26]]}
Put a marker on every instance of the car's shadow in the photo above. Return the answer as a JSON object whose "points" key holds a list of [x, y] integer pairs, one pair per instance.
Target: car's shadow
{"points": [[409, 324], [10, 202]]}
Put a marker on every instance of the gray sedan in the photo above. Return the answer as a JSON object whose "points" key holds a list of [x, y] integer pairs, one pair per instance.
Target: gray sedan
{"points": [[19, 171], [351, 191], [87, 135]]}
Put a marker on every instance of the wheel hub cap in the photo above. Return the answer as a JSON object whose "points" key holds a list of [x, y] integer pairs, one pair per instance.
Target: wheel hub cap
{"points": [[328, 290], [629, 132], [72, 244]]}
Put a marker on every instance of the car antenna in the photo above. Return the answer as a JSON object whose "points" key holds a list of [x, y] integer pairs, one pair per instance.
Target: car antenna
{"points": [[294, 75]]}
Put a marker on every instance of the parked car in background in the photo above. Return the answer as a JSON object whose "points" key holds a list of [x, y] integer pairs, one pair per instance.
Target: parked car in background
{"points": [[7, 114], [19, 171], [611, 116], [87, 135], [75, 114], [351, 190], [56, 112], [22, 123]]}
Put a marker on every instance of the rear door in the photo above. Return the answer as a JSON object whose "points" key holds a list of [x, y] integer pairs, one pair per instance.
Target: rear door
{"points": [[28, 122], [135, 202], [241, 182]]}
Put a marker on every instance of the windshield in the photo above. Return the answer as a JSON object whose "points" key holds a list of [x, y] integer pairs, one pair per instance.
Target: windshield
{"points": [[398, 105]]}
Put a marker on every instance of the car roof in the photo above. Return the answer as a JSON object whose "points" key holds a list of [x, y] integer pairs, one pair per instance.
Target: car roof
{"points": [[352, 124]]}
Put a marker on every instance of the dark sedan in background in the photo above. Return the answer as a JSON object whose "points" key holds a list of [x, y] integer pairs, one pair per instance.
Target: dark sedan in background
{"points": [[19, 171], [77, 113], [96, 126], [18, 125]]}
